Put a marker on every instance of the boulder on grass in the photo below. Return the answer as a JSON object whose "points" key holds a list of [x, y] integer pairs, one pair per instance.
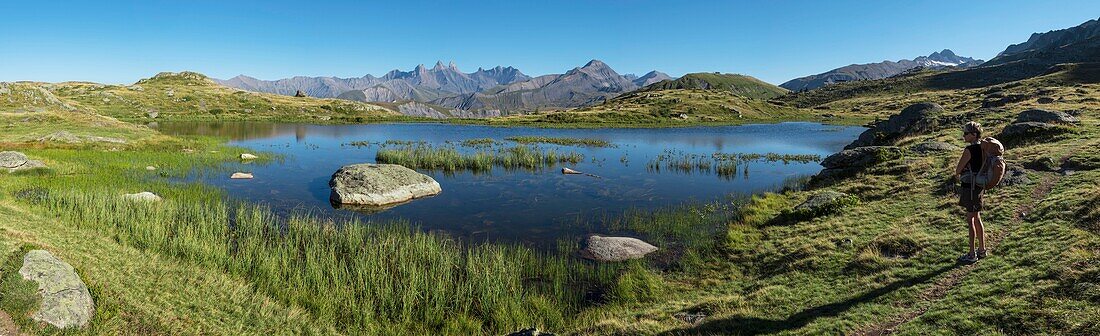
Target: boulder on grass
{"points": [[144, 196], [66, 302], [1046, 116], [1022, 132], [915, 119], [9, 159], [606, 249], [823, 203], [379, 185]]}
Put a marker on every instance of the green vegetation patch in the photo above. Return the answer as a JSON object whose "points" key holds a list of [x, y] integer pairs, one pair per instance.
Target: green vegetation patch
{"points": [[584, 142], [447, 158]]}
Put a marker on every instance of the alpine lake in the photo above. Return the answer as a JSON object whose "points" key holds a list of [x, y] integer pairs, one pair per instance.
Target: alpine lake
{"points": [[624, 170]]}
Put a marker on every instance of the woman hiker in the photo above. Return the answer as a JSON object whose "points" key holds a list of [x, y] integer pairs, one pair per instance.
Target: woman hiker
{"points": [[970, 193]]}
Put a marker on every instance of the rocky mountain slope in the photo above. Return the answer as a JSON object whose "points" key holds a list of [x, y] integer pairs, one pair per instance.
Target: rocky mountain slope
{"points": [[1075, 44], [420, 84], [591, 84], [884, 69]]}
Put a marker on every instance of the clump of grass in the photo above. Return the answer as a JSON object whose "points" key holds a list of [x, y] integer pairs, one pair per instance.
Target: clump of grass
{"points": [[18, 297], [450, 159], [562, 141], [725, 165]]}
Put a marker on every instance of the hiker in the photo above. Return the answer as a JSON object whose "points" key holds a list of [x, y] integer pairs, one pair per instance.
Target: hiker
{"points": [[970, 189]]}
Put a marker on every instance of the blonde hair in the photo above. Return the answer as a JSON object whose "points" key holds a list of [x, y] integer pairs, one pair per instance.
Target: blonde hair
{"points": [[973, 127]]}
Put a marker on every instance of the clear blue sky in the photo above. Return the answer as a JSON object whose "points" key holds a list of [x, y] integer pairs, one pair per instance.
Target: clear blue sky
{"points": [[123, 41]]}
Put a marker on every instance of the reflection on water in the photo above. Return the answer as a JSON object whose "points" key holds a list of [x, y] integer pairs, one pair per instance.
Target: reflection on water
{"points": [[531, 206]]}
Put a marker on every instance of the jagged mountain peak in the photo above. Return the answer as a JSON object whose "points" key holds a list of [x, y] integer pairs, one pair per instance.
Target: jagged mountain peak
{"points": [[595, 64]]}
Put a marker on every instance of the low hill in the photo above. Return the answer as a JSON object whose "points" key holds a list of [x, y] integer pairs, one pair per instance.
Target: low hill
{"points": [[190, 95], [741, 85]]}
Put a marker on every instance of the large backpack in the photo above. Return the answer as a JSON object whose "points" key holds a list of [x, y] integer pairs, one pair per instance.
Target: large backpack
{"points": [[993, 168]]}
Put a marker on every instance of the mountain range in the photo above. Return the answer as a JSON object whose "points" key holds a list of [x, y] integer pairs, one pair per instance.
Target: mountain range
{"points": [[880, 70], [494, 91]]}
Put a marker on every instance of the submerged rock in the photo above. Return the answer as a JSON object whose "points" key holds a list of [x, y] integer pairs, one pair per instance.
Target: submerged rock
{"points": [[379, 184], [615, 248], [66, 302], [142, 196]]}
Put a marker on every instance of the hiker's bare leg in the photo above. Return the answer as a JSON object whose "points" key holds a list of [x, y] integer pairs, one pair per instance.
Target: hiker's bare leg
{"points": [[980, 229], [970, 226]]}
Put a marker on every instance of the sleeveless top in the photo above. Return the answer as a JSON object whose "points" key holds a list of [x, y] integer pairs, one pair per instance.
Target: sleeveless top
{"points": [[976, 158]]}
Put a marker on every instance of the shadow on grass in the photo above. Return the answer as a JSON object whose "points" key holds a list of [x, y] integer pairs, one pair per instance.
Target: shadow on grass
{"points": [[743, 325]]}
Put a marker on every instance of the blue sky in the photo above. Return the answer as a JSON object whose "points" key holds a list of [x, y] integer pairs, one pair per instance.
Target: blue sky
{"points": [[123, 41]]}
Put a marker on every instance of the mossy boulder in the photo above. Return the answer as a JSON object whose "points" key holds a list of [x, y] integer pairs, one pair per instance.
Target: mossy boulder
{"points": [[1031, 131], [15, 161], [66, 302], [919, 118], [823, 203]]}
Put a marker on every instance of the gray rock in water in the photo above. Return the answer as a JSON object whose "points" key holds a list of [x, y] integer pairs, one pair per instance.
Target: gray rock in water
{"points": [[615, 248], [916, 119], [1046, 116], [933, 147], [247, 156], [861, 157], [822, 203], [142, 196], [66, 302], [9, 159], [379, 184]]}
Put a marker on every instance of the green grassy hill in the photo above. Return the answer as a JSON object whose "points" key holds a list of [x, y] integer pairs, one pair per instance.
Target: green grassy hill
{"points": [[191, 96], [741, 85]]}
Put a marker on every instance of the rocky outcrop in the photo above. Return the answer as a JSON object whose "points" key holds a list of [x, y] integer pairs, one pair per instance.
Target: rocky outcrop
{"points": [[379, 184], [300, 94], [860, 157], [608, 249], [916, 119], [69, 138], [66, 302], [884, 69]]}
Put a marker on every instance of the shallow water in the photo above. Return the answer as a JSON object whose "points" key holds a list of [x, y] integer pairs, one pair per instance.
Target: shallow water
{"points": [[533, 207]]}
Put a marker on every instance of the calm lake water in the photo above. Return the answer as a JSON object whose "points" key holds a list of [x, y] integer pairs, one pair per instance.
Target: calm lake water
{"points": [[525, 206]]}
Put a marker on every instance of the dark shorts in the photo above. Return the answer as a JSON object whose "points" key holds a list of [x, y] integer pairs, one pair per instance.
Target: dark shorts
{"points": [[970, 198]]}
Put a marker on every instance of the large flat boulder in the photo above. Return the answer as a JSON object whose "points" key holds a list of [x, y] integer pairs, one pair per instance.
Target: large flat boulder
{"points": [[915, 119], [66, 302], [600, 248], [379, 184]]}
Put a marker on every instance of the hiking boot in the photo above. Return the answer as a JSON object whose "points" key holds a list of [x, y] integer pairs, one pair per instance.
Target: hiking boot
{"points": [[968, 258], [982, 254]]}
